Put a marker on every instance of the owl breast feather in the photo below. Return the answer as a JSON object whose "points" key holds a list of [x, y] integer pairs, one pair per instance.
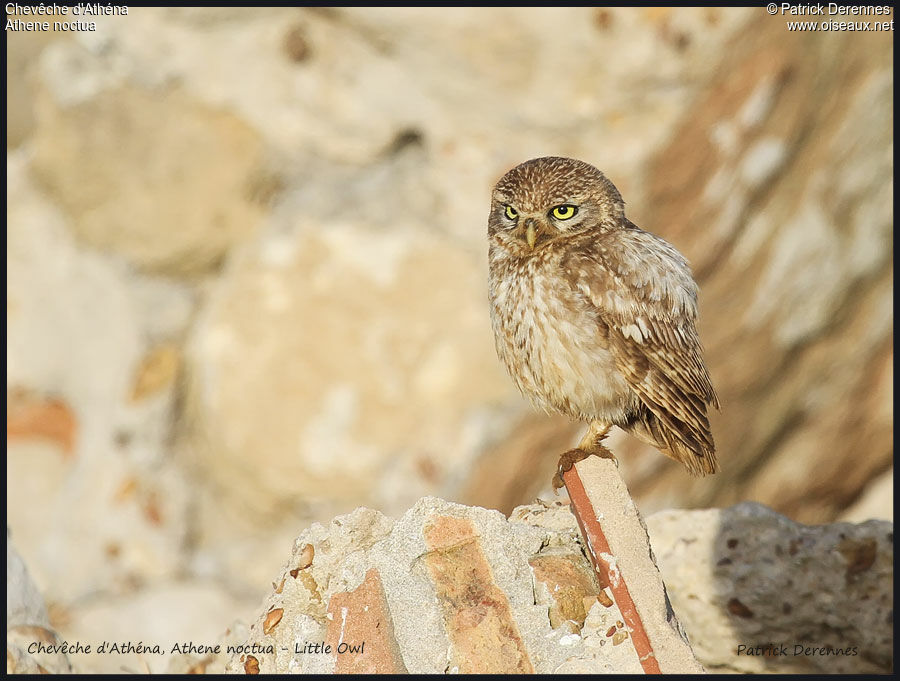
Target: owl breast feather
{"points": [[552, 344]]}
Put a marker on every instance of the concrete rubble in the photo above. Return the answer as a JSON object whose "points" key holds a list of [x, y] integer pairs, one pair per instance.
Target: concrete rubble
{"points": [[819, 597], [617, 539], [452, 588], [447, 588]]}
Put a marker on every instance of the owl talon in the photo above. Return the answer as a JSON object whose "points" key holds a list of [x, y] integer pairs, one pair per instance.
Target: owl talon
{"points": [[566, 461], [573, 456], [557, 483]]}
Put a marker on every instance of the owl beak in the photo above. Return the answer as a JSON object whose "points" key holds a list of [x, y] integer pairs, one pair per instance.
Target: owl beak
{"points": [[530, 234]]}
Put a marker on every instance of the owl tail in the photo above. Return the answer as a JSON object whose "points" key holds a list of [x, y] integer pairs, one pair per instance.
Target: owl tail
{"points": [[699, 457]]}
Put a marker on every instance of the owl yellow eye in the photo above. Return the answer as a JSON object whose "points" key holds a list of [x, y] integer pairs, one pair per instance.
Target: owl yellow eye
{"points": [[564, 212], [511, 213]]}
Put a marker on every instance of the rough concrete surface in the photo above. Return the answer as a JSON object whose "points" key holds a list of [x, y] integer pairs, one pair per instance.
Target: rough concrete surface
{"points": [[747, 576], [460, 589], [452, 588], [631, 560]]}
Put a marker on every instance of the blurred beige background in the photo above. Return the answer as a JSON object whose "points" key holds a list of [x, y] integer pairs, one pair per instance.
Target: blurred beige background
{"points": [[247, 275]]}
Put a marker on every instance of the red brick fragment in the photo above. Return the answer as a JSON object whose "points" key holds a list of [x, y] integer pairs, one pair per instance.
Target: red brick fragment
{"points": [[483, 633], [361, 631]]}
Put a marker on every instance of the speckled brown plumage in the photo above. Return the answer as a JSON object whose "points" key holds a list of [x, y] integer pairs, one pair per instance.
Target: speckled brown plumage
{"points": [[594, 317]]}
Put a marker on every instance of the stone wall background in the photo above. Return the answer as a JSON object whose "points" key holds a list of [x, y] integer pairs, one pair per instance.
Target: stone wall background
{"points": [[247, 275]]}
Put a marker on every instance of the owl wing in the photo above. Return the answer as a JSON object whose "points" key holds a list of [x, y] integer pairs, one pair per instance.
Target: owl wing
{"points": [[646, 304]]}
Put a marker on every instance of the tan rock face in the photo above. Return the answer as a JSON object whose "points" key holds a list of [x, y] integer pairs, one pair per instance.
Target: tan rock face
{"points": [[352, 311], [344, 372], [155, 176], [87, 464], [776, 187], [877, 502]]}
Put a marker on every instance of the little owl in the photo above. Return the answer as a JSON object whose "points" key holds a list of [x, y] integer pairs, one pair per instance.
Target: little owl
{"points": [[594, 317]]}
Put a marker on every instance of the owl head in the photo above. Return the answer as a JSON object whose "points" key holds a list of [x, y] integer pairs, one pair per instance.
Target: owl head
{"points": [[551, 198]]}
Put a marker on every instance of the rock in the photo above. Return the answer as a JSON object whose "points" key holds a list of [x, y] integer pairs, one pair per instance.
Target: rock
{"points": [[447, 588], [876, 502], [177, 215], [298, 165], [619, 546], [746, 578], [336, 401], [23, 50], [88, 433], [31, 416], [33, 649], [27, 623], [183, 617], [24, 604], [777, 189], [565, 585]]}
